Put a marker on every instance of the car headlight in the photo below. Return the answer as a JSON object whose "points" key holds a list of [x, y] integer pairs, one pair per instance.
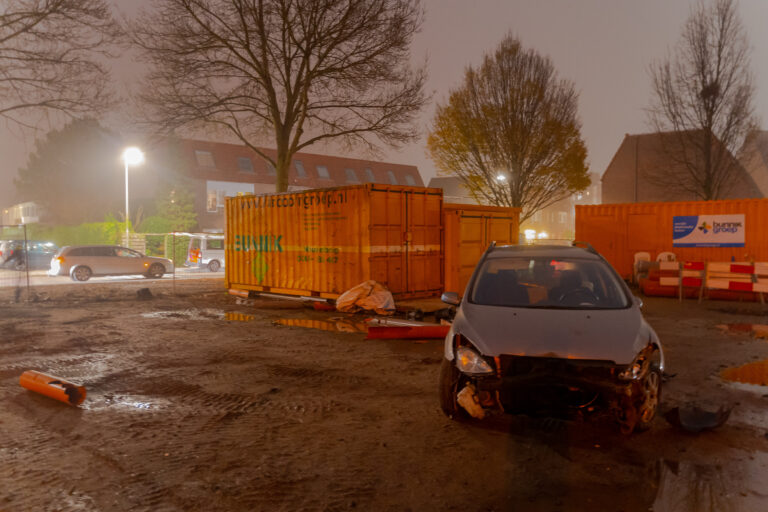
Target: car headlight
{"points": [[638, 367], [469, 361]]}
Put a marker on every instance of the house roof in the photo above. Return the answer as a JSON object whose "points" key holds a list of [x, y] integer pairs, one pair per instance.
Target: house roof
{"points": [[754, 157], [235, 162], [644, 154], [454, 190]]}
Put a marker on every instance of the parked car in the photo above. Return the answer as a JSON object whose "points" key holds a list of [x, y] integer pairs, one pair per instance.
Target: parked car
{"points": [[552, 331], [206, 251], [37, 254], [83, 261]]}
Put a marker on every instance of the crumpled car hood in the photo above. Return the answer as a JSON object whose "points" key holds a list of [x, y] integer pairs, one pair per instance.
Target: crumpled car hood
{"points": [[613, 335]]}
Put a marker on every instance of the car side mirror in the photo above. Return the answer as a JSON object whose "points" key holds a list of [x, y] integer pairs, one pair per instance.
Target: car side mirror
{"points": [[637, 300], [451, 298]]}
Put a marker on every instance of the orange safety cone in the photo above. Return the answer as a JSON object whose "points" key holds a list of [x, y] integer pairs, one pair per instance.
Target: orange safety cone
{"points": [[52, 387]]}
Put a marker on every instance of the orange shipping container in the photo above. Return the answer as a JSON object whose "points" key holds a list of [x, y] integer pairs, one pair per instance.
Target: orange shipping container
{"points": [[323, 242], [618, 231], [469, 229]]}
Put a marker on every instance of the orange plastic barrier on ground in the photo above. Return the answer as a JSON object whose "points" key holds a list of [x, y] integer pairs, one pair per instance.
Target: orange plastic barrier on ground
{"points": [[419, 332], [52, 387]]}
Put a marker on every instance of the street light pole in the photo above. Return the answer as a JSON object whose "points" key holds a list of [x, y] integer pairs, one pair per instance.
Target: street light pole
{"points": [[131, 156], [127, 235]]}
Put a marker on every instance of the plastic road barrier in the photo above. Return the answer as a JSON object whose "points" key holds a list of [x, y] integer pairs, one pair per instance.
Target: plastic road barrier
{"points": [[52, 387]]}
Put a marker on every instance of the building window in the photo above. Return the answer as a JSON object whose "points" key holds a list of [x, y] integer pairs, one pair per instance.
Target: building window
{"points": [[392, 178], [204, 159], [536, 217], [244, 164], [270, 169], [322, 172], [369, 175], [300, 172], [351, 176], [562, 217], [409, 180]]}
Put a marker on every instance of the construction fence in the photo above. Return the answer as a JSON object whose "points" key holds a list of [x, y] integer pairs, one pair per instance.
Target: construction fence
{"points": [[25, 262]]}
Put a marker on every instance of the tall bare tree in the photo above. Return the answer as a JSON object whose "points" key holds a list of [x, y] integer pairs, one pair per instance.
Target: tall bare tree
{"points": [[511, 133], [49, 57], [703, 96], [293, 71]]}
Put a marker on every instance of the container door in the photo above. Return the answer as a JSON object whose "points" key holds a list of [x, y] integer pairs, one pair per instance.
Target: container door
{"points": [[424, 264], [387, 231]]}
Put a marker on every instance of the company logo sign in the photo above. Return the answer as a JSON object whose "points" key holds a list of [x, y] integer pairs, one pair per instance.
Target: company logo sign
{"points": [[708, 231]]}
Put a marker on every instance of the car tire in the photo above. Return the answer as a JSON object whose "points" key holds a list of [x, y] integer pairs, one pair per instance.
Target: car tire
{"points": [[156, 271], [214, 265], [649, 408], [81, 273], [450, 377]]}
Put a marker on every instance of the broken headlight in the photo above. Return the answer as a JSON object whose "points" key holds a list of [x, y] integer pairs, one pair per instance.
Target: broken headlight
{"points": [[470, 362], [638, 367]]}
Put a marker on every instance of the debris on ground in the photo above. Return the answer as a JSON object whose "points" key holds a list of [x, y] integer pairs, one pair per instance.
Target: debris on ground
{"points": [[368, 296], [695, 419], [52, 387], [323, 306]]}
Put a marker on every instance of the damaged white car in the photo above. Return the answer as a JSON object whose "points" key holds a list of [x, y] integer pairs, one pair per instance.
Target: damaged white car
{"points": [[553, 331]]}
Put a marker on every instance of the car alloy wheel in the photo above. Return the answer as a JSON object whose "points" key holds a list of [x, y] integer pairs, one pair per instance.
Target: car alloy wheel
{"points": [[81, 273]]}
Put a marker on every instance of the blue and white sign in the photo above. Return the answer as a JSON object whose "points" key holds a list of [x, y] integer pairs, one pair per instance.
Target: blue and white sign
{"points": [[708, 231]]}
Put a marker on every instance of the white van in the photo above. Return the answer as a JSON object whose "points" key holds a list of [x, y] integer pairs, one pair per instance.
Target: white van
{"points": [[206, 251]]}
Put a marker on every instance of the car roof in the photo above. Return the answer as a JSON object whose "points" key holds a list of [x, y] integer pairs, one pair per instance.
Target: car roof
{"points": [[545, 251]]}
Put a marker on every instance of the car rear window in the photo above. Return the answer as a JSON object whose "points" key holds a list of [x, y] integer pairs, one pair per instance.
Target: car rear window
{"points": [[548, 283]]}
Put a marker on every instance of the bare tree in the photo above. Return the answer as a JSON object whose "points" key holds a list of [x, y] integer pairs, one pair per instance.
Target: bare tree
{"points": [[703, 98], [295, 71], [49, 57], [510, 133]]}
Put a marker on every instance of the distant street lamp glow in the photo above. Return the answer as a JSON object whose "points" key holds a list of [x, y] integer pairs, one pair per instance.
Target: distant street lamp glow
{"points": [[530, 234], [501, 177], [131, 156]]}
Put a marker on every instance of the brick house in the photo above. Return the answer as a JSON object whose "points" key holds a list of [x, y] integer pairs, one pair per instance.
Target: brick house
{"points": [[627, 177], [215, 170]]}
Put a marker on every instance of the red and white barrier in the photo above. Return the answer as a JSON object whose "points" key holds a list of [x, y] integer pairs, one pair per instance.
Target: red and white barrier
{"points": [[691, 272], [742, 277]]}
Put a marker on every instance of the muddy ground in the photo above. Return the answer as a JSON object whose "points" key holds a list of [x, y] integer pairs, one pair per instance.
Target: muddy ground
{"points": [[196, 402]]}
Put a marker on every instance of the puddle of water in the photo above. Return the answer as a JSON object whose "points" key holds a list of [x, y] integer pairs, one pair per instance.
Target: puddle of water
{"points": [[733, 485], [757, 330], [187, 314], [750, 373], [332, 324], [239, 317]]}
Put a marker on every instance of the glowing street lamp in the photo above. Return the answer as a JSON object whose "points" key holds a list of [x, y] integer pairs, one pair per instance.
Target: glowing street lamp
{"points": [[131, 156]]}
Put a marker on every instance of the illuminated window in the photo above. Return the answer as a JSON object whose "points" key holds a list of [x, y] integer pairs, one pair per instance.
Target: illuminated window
{"points": [[562, 217], [392, 178], [204, 159], [322, 172]]}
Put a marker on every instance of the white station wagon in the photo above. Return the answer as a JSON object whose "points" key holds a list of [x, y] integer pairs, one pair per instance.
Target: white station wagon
{"points": [[80, 262]]}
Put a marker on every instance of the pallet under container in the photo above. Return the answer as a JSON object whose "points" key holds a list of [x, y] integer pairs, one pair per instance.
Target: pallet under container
{"points": [[323, 242]]}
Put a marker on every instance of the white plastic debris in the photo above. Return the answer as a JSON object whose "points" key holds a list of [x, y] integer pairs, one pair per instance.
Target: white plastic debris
{"points": [[467, 398], [370, 296]]}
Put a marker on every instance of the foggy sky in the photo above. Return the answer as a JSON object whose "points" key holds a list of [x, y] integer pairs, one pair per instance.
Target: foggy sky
{"points": [[603, 46]]}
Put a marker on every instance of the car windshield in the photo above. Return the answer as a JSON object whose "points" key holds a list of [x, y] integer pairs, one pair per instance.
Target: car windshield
{"points": [[548, 283]]}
